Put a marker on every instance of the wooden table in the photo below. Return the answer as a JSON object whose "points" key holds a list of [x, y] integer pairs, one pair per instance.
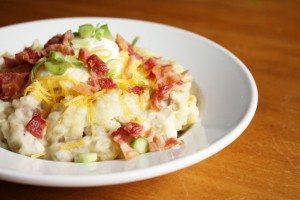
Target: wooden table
{"points": [[264, 162]]}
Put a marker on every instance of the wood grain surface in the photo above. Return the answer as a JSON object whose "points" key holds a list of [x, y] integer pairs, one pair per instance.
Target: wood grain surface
{"points": [[264, 162]]}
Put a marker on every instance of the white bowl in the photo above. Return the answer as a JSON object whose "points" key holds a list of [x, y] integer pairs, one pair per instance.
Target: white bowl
{"points": [[228, 99]]}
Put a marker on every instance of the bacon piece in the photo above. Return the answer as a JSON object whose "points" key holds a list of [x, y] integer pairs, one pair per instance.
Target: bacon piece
{"points": [[128, 152], [134, 129], [162, 93], [124, 45], [60, 39], [67, 37], [163, 142], [155, 101], [83, 88], [149, 63], [64, 49], [173, 142], [36, 126], [124, 136], [57, 39], [102, 83], [84, 55], [166, 74], [170, 76], [61, 43], [11, 83], [10, 62], [98, 67], [29, 55], [127, 74], [136, 90], [153, 147], [121, 136]]}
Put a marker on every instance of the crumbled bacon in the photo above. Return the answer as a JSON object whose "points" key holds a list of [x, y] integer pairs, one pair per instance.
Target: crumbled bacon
{"points": [[163, 142], [98, 67], [61, 43], [127, 74], [166, 74], [29, 55], [128, 152], [57, 39], [155, 101], [134, 129], [124, 45], [60, 39], [149, 64], [121, 136], [84, 55], [64, 49], [67, 37], [12, 83], [102, 83], [172, 142], [83, 88], [136, 90], [124, 135], [162, 93], [36, 126], [10, 62]]}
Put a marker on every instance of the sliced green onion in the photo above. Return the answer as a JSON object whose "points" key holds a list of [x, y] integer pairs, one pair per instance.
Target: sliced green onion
{"points": [[103, 32], [86, 157], [86, 30], [35, 68], [111, 72], [56, 55], [76, 34], [75, 62], [140, 144], [57, 67], [134, 41]]}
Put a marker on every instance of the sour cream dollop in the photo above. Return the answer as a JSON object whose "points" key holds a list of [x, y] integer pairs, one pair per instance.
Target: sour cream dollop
{"points": [[106, 49]]}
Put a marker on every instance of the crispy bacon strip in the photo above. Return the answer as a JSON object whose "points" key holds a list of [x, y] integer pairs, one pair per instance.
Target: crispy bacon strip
{"points": [[29, 55], [163, 142], [36, 126], [124, 135], [162, 93], [64, 49], [134, 129], [124, 45], [12, 83], [97, 66], [149, 63], [61, 43], [101, 83], [83, 88], [84, 55], [136, 90]]}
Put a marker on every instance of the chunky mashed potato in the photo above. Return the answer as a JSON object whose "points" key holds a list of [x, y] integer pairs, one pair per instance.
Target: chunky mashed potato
{"points": [[88, 96]]}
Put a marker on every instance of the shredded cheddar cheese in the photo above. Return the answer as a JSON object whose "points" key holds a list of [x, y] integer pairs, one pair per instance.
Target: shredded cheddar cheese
{"points": [[72, 145]]}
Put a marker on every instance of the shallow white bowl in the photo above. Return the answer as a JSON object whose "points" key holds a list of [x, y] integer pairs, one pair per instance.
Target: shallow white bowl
{"points": [[228, 98]]}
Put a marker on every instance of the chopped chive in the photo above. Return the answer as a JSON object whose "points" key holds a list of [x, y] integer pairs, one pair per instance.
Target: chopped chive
{"points": [[35, 68], [134, 41]]}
